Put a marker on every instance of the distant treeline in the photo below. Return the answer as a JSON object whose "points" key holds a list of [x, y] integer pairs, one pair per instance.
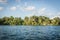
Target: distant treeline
{"points": [[33, 20]]}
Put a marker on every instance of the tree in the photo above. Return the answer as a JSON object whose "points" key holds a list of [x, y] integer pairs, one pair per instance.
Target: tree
{"points": [[44, 20], [5, 20], [55, 21], [34, 20], [26, 21]]}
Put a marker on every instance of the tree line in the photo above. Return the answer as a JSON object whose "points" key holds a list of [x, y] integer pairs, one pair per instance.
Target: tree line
{"points": [[33, 20]]}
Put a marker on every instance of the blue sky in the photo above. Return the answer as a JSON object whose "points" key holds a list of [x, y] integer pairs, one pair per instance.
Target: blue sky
{"points": [[22, 8]]}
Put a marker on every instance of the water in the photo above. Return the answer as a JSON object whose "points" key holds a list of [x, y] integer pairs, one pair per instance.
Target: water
{"points": [[29, 32]]}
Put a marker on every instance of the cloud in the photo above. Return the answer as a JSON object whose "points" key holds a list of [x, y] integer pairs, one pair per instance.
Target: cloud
{"points": [[28, 8], [3, 1], [42, 10], [39, 12], [13, 8], [58, 13], [17, 0], [1, 8]]}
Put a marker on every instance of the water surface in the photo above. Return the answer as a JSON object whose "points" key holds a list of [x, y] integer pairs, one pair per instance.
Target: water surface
{"points": [[29, 32]]}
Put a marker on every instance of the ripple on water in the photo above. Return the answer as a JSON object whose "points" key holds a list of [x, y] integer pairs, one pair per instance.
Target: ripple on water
{"points": [[29, 33]]}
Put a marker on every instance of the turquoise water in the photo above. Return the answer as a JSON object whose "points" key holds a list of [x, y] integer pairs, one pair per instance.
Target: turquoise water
{"points": [[29, 32]]}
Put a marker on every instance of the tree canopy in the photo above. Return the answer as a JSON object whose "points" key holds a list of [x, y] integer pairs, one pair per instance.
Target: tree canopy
{"points": [[33, 20]]}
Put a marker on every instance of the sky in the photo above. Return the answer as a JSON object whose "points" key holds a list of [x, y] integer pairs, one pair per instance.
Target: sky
{"points": [[22, 8]]}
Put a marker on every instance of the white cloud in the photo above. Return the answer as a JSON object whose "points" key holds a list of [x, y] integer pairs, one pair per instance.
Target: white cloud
{"points": [[39, 12], [17, 0], [13, 8], [3, 1], [30, 14], [1, 8], [28, 8], [42, 10], [56, 15]]}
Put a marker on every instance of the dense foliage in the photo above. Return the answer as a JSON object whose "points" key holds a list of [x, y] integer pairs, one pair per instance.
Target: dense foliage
{"points": [[33, 20]]}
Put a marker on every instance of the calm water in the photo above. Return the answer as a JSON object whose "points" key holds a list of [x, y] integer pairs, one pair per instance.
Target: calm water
{"points": [[29, 32]]}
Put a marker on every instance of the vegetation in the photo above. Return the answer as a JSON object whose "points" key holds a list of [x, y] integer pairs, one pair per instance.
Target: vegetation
{"points": [[33, 20]]}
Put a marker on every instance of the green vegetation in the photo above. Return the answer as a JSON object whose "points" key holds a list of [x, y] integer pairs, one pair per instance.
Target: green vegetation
{"points": [[33, 20]]}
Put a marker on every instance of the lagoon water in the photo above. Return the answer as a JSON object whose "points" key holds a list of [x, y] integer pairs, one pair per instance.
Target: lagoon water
{"points": [[29, 32]]}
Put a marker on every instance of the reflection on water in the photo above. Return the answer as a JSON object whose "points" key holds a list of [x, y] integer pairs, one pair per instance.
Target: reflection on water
{"points": [[29, 32]]}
